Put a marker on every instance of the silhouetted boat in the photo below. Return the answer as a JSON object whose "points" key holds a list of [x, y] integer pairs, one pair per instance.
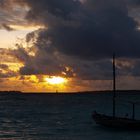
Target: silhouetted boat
{"points": [[114, 121]]}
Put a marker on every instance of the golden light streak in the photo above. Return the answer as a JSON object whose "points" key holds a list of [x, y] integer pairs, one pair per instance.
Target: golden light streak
{"points": [[26, 28]]}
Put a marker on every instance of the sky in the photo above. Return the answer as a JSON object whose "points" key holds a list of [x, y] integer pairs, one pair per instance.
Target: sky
{"points": [[67, 45]]}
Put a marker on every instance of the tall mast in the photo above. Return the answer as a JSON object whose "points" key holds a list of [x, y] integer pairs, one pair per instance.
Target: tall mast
{"points": [[114, 86]]}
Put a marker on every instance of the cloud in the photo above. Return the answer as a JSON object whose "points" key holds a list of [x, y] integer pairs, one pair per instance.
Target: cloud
{"points": [[11, 13], [80, 36], [133, 2], [7, 27], [5, 72], [9, 65], [52, 63], [94, 29], [3, 66]]}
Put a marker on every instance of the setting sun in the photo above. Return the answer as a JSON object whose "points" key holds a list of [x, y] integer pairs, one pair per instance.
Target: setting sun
{"points": [[56, 80]]}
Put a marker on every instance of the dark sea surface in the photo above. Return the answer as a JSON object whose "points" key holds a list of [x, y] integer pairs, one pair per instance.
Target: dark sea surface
{"points": [[62, 116]]}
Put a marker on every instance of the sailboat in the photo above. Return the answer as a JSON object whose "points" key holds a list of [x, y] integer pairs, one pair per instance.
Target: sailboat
{"points": [[113, 120]]}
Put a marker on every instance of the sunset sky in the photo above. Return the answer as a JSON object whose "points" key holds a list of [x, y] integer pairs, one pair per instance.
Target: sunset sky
{"points": [[67, 45]]}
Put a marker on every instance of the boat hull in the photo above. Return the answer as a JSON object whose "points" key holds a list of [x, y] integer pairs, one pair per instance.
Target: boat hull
{"points": [[116, 122]]}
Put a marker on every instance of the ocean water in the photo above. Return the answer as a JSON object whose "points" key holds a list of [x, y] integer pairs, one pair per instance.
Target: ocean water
{"points": [[61, 116]]}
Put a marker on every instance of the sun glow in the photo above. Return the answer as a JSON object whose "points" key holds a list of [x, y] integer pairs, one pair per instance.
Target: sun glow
{"points": [[56, 80]]}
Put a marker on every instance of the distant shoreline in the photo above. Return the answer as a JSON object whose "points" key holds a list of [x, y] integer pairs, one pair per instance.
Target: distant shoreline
{"points": [[80, 92]]}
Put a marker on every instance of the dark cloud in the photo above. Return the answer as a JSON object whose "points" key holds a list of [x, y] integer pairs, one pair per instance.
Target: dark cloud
{"points": [[47, 12], [8, 74], [135, 70], [55, 63], [133, 2], [3, 66], [90, 30], [94, 70], [43, 62], [5, 72], [7, 27], [11, 13], [77, 34]]}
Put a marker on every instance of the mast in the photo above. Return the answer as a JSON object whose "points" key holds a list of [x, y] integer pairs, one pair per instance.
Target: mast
{"points": [[114, 86]]}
